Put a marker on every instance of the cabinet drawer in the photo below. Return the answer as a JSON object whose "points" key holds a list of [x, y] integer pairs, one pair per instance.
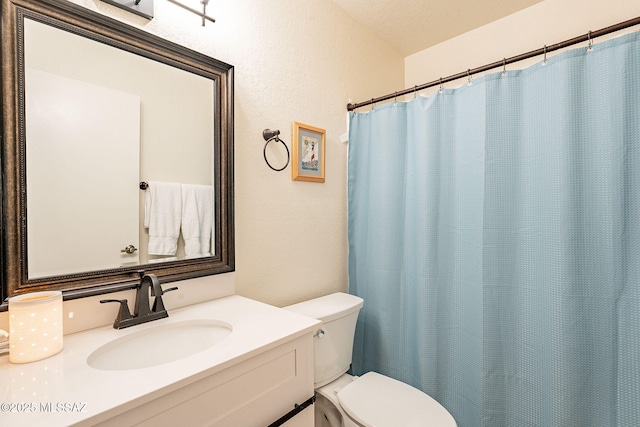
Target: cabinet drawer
{"points": [[218, 405]]}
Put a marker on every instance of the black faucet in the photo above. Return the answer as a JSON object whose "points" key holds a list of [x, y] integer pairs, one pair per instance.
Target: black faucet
{"points": [[142, 313]]}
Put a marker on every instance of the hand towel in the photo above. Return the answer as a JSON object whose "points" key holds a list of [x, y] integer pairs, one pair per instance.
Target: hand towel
{"points": [[162, 216], [197, 219]]}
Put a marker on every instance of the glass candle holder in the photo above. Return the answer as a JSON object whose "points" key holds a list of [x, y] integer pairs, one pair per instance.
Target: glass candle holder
{"points": [[35, 326]]}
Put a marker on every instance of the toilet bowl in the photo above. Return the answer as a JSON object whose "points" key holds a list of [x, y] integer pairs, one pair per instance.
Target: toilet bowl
{"points": [[370, 400]]}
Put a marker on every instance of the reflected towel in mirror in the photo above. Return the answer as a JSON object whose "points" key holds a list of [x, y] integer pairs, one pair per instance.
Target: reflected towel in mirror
{"points": [[162, 216], [197, 219]]}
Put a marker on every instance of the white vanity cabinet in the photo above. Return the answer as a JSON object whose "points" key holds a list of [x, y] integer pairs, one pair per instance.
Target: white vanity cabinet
{"points": [[255, 392], [254, 377]]}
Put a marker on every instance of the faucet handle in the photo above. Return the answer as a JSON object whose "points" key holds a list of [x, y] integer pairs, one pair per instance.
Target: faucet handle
{"points": [[158, 305], [123, 313]]}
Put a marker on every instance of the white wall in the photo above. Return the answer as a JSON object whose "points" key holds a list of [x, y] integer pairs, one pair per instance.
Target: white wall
{"points": [[294, 61], [545, 23]]}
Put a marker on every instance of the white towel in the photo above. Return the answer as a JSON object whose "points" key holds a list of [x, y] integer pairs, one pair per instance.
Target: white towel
{"points": [[162, 216], [197, 219]]}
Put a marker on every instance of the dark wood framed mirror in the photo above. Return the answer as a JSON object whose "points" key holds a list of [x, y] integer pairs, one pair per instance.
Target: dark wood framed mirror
{"points": [[178, 96]]}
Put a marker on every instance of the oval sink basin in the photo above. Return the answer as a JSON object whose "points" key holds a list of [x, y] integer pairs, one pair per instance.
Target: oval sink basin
{"points": [[158, 345]]}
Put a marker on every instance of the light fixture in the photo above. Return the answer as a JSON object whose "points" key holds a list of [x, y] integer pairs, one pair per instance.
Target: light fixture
{"points": [[35, 326], [191, 6], [142, 8]]}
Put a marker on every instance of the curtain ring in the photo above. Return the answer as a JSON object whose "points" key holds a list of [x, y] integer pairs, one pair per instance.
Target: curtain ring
{"points": [[504, 67], [441, 90], [590, 40], [415, 91], [373, 105], [469, 76], [395, 99], [544, 60]]}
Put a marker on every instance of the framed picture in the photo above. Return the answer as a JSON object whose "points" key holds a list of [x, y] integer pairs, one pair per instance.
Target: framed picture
{"points": [[308, 153]]}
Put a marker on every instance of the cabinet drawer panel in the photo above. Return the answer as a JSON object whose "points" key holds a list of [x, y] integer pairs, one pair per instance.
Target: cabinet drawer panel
{"points": [[259, 393]]}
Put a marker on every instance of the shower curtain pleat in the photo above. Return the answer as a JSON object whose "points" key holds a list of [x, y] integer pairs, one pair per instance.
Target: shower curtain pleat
{"points": [[494, 234]]}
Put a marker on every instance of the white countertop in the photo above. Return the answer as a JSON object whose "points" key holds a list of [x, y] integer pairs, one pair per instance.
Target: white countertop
{"points": [[63, 390]]}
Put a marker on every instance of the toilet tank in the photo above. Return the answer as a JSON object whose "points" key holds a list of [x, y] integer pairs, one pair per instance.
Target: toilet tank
{"points": [[333, 338]]}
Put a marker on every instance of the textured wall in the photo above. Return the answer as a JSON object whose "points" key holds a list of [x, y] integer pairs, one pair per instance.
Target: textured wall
{"points": [[545, 23], [294, 61]]}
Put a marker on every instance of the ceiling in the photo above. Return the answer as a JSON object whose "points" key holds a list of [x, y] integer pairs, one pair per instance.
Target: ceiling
{"points": [[410, 26]]}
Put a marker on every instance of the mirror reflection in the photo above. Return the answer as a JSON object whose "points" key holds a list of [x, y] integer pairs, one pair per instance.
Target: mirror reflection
{"points": [[99, 121]]}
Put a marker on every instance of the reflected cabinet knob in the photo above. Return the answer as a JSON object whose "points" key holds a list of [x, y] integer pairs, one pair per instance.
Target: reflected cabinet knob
{"points": [[129, 249]]}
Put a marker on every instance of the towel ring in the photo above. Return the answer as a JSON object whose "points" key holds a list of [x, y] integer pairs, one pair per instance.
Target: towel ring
{"points": [[272, 135]]}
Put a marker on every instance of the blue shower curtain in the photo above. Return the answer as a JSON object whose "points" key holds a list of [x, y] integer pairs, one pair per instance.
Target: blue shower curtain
{"points": [[494, 234]]}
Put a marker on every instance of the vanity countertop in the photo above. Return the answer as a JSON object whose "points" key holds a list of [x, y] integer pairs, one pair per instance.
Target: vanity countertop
{"points": [[64, 390]]}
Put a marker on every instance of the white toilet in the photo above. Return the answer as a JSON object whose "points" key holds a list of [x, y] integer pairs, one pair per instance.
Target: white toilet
{"points": [[370, 400]]}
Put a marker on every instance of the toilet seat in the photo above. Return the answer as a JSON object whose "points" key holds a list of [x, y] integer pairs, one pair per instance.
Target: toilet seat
{"points": [[380, 401]]}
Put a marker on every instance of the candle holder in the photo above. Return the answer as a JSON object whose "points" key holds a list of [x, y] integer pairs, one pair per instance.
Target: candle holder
{"points": [[35, 326]]}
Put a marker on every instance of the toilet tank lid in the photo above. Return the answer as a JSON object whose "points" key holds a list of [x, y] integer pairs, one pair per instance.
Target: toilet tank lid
{"points": [[328, 307], [377, 400]]}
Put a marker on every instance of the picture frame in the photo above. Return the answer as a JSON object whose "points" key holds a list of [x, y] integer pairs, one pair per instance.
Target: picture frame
{"points": [[308, 153]]}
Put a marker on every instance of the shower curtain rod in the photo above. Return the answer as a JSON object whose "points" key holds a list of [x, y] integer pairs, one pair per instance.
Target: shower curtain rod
{"points": [[503, 63]]}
